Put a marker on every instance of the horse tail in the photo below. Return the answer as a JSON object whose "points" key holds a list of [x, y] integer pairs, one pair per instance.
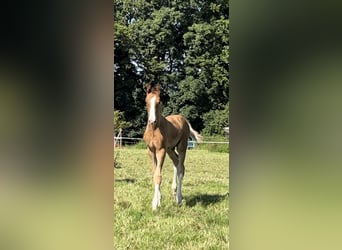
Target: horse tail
{"points": [[194, 134]]}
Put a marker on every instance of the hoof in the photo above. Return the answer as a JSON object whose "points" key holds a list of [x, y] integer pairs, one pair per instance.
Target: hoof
{"points": [[175, 195], [154, 207]]}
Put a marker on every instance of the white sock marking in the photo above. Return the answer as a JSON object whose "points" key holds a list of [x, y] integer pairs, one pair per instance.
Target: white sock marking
{"points": [[152, 113], [174, 183], [156, 198]]}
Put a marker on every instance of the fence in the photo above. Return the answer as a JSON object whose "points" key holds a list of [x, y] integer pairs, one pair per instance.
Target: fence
{"points": [[121, 140]]}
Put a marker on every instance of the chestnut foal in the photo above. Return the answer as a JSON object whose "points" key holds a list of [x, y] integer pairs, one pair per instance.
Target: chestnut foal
{"points": [[164, 135]]}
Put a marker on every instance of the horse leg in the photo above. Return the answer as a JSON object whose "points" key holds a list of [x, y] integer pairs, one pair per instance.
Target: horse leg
{"points": [[180, 171], [153, 159], [174, 157], [157, 178]]}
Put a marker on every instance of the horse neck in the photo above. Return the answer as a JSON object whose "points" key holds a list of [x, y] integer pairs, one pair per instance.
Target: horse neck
{"points": [[159, 121]]}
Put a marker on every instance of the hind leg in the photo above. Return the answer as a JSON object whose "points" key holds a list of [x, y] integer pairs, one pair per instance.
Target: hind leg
{"points": [[180, 175], [180, 170], [174, 157]]}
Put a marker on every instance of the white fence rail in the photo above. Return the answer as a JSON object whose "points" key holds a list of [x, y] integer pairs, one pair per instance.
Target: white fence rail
{"points": [[118, 141]]}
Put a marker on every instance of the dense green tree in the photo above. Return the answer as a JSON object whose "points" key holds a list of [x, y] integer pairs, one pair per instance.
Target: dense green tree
{"points": [[128, 86], [119, 120], [184, 45], [206, 85], [215, 121]]}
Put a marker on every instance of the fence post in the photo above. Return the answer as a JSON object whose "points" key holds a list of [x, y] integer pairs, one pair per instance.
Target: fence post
{"points": [[120, 136]]}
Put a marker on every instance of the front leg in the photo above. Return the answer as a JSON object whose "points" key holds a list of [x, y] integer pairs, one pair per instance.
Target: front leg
{"points": [[153, 158], [157, 178]]}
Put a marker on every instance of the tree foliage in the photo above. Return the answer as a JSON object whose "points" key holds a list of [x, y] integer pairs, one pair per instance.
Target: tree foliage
{"points": [[184, 45], [215, 121], [119, 121]]}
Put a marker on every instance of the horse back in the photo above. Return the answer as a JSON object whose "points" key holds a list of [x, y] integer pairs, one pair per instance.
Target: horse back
{"points": [[178, 129]]}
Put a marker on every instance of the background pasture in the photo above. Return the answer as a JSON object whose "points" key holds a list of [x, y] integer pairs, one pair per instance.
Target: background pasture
{"points": [[201, 222]]}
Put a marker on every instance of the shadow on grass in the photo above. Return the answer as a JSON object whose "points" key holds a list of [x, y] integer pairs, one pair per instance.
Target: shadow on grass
{"points": [[127, 180], [124, 204], [205, 199]]}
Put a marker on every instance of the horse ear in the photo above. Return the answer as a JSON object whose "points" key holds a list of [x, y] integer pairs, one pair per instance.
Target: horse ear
{"points": [[148, 88], [157, 88]]}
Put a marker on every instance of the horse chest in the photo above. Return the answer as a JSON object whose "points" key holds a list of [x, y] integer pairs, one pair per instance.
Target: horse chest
{"points": [[154, 139]]}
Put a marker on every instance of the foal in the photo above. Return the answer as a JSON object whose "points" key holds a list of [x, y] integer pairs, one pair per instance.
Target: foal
{"points": [[164, 135]]}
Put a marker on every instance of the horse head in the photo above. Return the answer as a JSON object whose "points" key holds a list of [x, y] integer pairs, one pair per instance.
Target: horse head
{"points": [[153, 103]]}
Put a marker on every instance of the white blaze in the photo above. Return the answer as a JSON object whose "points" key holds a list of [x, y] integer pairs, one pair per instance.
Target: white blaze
{"points": [[152, 113]]}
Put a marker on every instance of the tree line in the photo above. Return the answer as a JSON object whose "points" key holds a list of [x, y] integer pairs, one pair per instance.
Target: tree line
{"points": [[184, 46]]}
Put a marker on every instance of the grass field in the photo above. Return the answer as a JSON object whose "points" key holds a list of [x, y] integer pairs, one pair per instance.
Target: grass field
{"points": [[201, 222]]}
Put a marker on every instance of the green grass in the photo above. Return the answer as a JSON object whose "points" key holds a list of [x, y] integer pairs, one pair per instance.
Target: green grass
{"points": [[201, 222]]}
